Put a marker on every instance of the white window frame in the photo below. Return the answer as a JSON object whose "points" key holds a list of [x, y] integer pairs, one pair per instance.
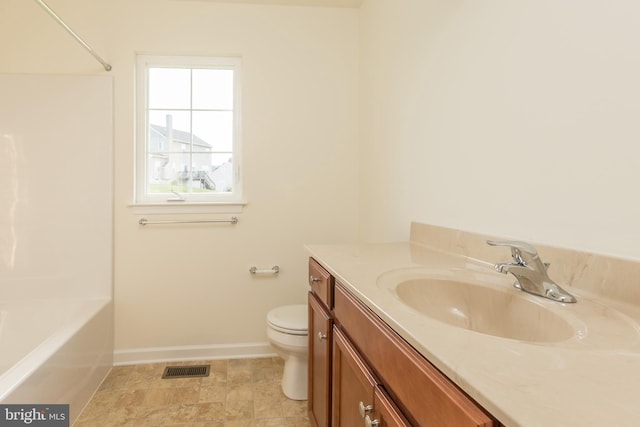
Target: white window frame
{"points": [[193, 202]]}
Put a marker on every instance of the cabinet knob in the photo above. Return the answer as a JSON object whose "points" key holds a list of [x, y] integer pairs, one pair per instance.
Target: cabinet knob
{"points": [[322, 336], [368, 422], [364, 409], [313, 279]]}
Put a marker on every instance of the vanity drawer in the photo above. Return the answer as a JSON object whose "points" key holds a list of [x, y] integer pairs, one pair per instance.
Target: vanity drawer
{"points": [[321, 283], [424, 394]]}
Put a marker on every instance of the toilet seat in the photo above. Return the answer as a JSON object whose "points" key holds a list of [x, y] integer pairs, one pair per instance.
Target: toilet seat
{"points": [[289, 319]]}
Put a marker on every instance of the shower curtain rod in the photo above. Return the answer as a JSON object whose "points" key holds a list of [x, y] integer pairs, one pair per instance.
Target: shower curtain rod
{"points": [[106, 66]]}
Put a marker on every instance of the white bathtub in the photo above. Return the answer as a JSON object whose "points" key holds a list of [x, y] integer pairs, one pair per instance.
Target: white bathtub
{"points": [[54, 351]]}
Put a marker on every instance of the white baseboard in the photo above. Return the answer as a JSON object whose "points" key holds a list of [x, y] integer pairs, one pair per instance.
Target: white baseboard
{"points": [[136, 356]]}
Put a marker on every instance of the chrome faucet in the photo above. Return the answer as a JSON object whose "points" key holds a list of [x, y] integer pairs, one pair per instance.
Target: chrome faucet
{"points": [[530, 272]]}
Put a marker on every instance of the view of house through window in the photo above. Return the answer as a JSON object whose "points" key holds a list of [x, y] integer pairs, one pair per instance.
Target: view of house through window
{"points": [[190, 128]]}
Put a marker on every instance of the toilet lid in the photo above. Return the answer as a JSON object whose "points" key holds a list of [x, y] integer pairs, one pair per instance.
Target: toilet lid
{"points": [[289, 317]]}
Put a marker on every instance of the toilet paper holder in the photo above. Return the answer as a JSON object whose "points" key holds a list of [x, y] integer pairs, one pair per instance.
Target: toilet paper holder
{"points": [[273, 270]]}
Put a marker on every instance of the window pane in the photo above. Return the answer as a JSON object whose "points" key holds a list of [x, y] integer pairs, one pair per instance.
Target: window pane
{"points": [[215, 128], [167, 172], [213, 171], [212, 89], [187, 131], [169, 88], [169, 130]]}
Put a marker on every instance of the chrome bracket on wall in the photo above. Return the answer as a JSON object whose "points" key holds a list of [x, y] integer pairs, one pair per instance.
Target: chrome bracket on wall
{"points": [[273, 270]]}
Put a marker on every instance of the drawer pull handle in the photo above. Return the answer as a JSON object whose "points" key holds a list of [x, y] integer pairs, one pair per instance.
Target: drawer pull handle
{"points": [[368, 422], [322, 336], [313, 279], [364, 410]]}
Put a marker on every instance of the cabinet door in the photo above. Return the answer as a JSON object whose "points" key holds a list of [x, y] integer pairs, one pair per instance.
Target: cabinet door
{"points": [[353, 384], [320, 341], [386, 413]]}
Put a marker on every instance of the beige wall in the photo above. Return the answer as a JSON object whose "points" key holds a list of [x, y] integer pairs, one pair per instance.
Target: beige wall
{"points": [[513, 118], [189, 285], [506, 118]]}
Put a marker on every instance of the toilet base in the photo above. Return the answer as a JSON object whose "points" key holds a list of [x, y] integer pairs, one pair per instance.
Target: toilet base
{"points": [[294, 378]]}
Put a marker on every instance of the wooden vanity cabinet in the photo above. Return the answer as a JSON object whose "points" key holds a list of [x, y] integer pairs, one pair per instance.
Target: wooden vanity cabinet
{"points": [[320, 344]]}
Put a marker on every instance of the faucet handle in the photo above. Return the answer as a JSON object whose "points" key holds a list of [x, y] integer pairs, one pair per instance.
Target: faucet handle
{"points": [[517, 249], [514, 244]]}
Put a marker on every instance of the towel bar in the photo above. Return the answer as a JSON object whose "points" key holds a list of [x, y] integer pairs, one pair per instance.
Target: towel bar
{"points": [[232, 220]]}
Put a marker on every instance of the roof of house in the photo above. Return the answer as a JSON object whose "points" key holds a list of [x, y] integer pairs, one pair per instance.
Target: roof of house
{"points": [[180, 136]]}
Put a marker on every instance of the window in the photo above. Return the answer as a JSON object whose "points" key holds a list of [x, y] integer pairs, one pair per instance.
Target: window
{"points": [[188, 140]]}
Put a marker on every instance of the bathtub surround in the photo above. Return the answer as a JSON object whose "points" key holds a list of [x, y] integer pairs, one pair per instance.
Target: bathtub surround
{"points": [[56, 186], [56, 238]]}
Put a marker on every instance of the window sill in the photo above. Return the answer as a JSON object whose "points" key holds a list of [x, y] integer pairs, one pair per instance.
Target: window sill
{"points": [[186, 208]]}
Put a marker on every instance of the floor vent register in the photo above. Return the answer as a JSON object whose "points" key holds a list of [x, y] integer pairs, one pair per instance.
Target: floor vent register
{"points": [[186, 371]]}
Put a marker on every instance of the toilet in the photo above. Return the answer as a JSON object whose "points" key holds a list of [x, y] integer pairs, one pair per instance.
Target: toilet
{"points": [[287, 331]]}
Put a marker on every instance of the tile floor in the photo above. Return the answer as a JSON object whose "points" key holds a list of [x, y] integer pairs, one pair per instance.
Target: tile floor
{"points": [[238, 392]]}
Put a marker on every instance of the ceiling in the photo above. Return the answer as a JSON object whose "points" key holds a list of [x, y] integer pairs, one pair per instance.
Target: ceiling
{"points": [[317, 3]]}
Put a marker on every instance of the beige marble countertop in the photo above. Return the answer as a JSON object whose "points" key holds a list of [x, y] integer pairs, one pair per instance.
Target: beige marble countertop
{"points": [[590, 379]]}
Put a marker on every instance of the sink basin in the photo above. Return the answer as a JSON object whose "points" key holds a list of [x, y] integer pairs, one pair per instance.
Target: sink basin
{"points": [[476, 307]]}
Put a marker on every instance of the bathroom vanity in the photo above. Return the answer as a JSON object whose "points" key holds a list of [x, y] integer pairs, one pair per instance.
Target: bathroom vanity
{"points": [[363, 373], [382, 352]]}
